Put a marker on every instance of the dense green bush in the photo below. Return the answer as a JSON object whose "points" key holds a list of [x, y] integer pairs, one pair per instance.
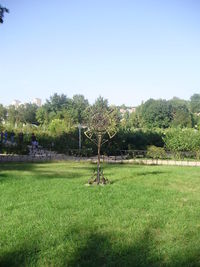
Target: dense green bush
{"points": [[156, 152], [177, 140], [134, 140], [63, 142], [197, 154], [19, 149], [173, 140]]}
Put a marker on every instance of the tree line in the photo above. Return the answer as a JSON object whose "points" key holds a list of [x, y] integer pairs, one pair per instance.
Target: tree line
{"points": [[164, 114], [173, 125], [61, 113]]}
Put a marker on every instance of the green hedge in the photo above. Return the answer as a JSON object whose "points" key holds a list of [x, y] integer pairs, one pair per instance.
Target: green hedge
{"points": [[156, 152], [173, 140], [177, 140]]}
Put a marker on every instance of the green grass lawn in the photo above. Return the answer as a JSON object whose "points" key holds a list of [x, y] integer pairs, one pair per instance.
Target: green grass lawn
{"points": [[148, 216]]}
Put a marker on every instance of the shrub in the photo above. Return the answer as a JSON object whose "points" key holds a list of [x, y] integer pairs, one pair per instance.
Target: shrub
{"points": [[156, 152], [177, 140], [197, 154], [14, 149], [58, 126]]}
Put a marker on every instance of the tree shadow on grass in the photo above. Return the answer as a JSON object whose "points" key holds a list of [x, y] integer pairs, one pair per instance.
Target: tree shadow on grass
{"points": [[3, 177], [24, 256], [100, 251], [135, 175], [11, 166], [188, 260], [67, 174], [41, 171], [150, 173], [45, 175], [26, 166], [94, 249]]}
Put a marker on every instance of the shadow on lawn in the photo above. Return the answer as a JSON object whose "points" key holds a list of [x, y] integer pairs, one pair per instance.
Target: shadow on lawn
{"points": [[42, 171], [99, 251], [134, 175], [3, 177], [22, 257], [68, 174], [150, 173], [102, 250], [20, 166], [7, 170]]}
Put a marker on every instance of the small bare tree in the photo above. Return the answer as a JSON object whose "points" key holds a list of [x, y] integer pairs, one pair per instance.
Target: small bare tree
{"points": [[101, 126]]}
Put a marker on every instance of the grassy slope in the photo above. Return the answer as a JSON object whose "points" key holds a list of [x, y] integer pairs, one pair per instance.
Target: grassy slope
{"points": [[148, 216]]}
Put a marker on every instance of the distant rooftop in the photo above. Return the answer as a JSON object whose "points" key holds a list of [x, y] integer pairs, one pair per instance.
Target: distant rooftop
{"points": [[36, 101]]}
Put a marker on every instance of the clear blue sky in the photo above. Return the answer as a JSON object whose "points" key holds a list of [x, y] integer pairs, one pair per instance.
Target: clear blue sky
{"points": [[126, 51]]}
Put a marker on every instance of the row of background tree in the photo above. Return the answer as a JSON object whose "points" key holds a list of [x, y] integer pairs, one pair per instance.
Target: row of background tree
{"points": [[164, 114], [63, 113]]}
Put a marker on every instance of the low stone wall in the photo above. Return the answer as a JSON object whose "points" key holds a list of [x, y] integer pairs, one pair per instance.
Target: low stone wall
{"points": [[31, 158], [60, 157], [164, 162]]}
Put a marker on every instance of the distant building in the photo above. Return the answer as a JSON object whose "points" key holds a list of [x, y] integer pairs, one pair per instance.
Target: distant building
{"points": [[129, 110], [37, 101], [122, 111], [16, 103]]}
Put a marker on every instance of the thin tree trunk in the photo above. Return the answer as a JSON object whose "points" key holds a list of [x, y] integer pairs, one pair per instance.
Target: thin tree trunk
{"points": [[98, 162]]}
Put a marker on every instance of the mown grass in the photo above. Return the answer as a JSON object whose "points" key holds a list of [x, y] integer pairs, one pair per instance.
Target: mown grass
{"points": [[148, 216]]}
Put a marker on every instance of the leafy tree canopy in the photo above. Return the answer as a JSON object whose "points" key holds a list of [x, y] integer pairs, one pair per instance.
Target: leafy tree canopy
{"points": [[195, 103], [181, 115], [156, 113]]}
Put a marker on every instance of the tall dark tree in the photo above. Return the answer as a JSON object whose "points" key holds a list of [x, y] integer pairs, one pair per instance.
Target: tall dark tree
{"points": [[3, 113], [79, 106], [195, 103], [54, 108], [57, 102], [181, 115], [42, 115], [156, 113], [30, 113], [12, 115], [130, 120]]}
